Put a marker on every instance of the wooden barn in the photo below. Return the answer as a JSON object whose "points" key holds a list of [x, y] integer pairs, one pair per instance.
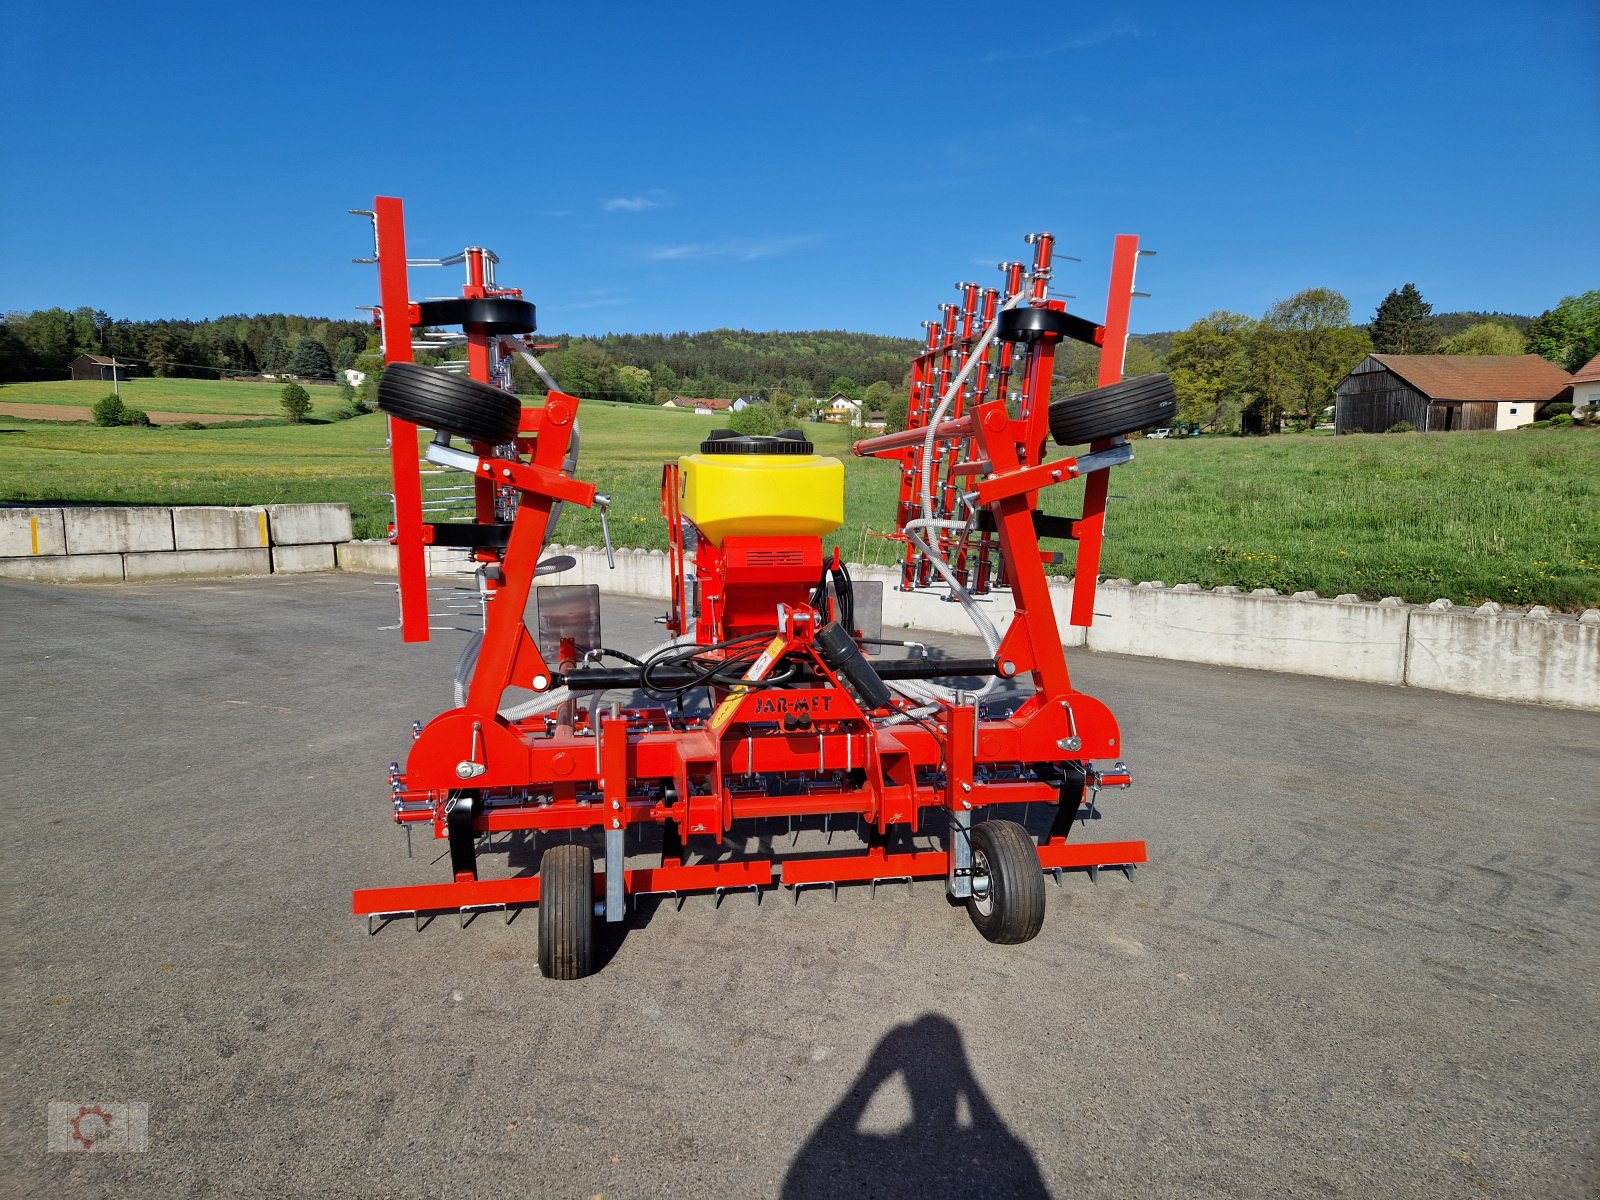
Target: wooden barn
{"points": [[97, 366], [1441, 393]]}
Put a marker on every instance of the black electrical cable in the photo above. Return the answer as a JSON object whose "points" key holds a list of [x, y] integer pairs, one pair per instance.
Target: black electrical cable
{"points": [[706, 672]]}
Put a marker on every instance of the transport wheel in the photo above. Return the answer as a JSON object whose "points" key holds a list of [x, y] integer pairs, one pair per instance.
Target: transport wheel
{"points": [[497, 314], [438, 400], [1007, 901], [1109, 411], [566, 912]]}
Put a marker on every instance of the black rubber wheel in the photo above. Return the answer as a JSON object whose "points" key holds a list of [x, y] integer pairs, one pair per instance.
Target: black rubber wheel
{"points": [[439, 400], [1117, 409], [497, 314], [566, 912], [1007, 901], [1029, 324]]}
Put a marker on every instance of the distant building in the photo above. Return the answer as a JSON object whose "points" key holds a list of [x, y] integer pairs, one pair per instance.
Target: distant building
{"points": [[354, 377], [98, 366], [1586, 387], [1442, 393], [839, 409], [705, 407]]}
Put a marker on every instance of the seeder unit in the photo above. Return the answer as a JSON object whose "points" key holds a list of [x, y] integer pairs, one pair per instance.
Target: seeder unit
{"points": [[772, 699]]}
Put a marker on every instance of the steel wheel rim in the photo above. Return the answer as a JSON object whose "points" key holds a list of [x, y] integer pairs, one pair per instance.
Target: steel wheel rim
{"points": [[982, 885]]}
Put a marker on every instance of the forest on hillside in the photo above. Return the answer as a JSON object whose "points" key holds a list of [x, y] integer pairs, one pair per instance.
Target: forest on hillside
{"points": [[1234, 372], [39, 345]]}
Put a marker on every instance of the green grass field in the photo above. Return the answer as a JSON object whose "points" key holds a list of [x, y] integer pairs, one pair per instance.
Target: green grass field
{"points": [[1504, 516], [223, 397]]}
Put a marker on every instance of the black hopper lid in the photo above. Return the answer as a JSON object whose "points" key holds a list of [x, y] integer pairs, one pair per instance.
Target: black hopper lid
{"points": [[727, 441]]}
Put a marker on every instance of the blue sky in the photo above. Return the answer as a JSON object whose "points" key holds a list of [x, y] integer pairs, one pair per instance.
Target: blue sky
{"points": [[650, 168]]}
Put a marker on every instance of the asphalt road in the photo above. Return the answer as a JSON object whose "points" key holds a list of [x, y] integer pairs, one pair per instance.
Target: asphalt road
{"points": [[1361, 961]]}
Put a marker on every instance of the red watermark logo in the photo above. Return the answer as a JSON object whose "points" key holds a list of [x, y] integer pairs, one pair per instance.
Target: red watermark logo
{"points": [[100, 1126]]}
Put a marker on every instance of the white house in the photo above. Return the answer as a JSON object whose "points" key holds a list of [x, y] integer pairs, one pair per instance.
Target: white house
{"points": [[1586, 387], [353, 377], [839, 409]]}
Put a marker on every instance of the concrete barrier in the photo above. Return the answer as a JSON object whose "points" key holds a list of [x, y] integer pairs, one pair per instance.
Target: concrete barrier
{"points": [[1532, 657], [1304, 635], [1535, 656], [117, 530], [219, 528], [64, 568], [30, 532], [300, 560], [104, 545], [308, 524], [215, 564]]}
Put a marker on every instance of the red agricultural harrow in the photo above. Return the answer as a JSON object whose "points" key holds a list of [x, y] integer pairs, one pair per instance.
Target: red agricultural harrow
{"points": [[773, 699]]}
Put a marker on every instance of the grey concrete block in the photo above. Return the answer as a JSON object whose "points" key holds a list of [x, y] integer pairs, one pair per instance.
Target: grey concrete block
{"points": [[309, 524], [178, 564], [295, 560], [64, 568], [1505, 657], [204, 528], [1263, 630], [369, 557], [117, 530], [28, 532]]}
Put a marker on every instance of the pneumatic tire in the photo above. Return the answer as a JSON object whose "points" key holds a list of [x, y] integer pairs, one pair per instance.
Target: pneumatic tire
{"points": [[438, 400], [1007, 901], [566, 912], [1113, 410]]}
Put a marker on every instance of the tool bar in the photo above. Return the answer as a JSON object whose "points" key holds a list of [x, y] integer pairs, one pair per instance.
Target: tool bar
{"points": [[605, 679]]}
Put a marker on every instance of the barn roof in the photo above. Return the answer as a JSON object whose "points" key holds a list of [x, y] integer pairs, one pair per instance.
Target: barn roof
{"points": [[1589, 372], [100, 360], [1479, 376]]}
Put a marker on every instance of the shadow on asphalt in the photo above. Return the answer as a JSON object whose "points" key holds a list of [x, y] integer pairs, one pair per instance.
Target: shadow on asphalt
{"points": [[954, 1143]]}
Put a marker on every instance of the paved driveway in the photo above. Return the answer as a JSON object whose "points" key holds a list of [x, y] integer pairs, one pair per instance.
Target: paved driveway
{"points": [[1361, 962]]}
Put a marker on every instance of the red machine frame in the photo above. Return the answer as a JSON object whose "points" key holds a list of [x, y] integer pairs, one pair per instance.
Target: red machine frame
{"points": [[471, 771]]}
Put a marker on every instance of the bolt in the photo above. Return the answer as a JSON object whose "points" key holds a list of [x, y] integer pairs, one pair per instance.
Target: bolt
{"points": [[616, 804], [506, 471], [1008, 667], [966, 787], [616, 824]]}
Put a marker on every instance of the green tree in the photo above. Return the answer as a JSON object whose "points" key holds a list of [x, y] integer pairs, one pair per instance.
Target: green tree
{"points": [[1210, 367], [635, 384], [878, 397], [296, 402], [586, 371], [1486, 337], [274, 356], [844, 385], [310, 360], [1402, 324], [163, 351], [344, 354], [108, 411], [895, 415], [1568, 334], [1303, 346], [757, 419]]}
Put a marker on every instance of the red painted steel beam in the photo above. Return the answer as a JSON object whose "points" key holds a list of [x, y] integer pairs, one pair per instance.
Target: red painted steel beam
{"points": [[1113, 351], [860, 868], [388, 217], [1091, 854]]}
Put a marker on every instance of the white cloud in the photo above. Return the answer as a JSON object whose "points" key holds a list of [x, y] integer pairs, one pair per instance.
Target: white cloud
{"points": [[1084, 41], [733, 249], [654, 198]]}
